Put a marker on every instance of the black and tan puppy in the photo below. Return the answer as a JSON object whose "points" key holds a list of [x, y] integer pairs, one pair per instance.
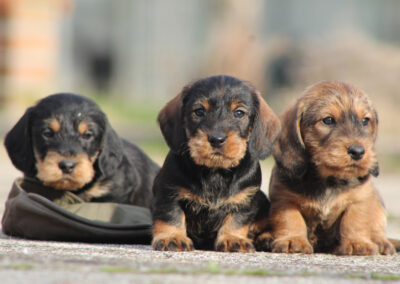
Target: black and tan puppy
{"points": [[207, 194], [66, 142], [322, 196]]}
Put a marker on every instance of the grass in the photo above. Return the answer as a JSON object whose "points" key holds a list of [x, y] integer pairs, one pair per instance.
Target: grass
{"points": [[211, 268], [21, 266], [375, 276], [118, 269], [214, 269]]}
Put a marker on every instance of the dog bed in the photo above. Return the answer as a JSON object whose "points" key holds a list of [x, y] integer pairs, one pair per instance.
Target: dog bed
{"points": [[40, 213]]}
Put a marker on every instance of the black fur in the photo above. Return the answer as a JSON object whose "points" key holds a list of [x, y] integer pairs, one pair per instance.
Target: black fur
{"points": [[124, 172], [212, 184]]}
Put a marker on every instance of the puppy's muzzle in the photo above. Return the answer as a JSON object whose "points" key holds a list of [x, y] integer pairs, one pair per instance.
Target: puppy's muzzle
{"points": [[356, 152], [217, 140], [67, 166]]}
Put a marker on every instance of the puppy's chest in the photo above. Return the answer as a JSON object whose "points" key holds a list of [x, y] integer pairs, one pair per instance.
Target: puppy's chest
{"points": [[322, 213], [215, 199]]}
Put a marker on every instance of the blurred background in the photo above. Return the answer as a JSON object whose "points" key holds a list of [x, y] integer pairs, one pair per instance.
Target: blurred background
{"points": [[132, 56]]}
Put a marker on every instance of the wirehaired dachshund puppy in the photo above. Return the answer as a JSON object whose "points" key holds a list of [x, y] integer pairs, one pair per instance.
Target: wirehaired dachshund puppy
{"points": [[322, 196], [66, 143], [207, 194]]}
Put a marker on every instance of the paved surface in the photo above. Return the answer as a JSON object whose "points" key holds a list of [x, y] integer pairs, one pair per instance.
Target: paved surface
{"points": [[23, 261]]}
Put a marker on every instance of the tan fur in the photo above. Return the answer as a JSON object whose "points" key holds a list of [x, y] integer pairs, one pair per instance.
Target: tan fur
{"points": [[83, 127], [229, 156], [51, 175], [241, 198], [205, 104], [234, 105], [165, 234], [294, 217], [258, 226], [54, 124], [96, 191], [231, 235]]}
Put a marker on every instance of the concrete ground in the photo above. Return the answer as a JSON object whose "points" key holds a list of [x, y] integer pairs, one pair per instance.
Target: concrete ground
{"points": [[54, 262]]}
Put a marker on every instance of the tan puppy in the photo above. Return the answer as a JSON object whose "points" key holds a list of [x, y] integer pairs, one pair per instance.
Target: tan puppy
{"points": [[322, 196]]}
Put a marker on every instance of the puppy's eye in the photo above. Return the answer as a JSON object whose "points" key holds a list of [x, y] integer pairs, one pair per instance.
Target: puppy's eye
{"points": [[238, 113], [48, 133], [365, 121], [200, 112], [329, 120], [87, 135]]}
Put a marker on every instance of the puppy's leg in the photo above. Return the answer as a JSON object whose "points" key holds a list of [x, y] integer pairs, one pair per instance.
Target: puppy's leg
{"points": [[169, 232], [362, 229], [289, 229], [233, 235], [260, 229]]}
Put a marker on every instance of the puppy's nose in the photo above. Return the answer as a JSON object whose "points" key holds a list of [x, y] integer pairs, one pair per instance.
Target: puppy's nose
{"points": [[67, 166], [217, 141], [356, 152]]}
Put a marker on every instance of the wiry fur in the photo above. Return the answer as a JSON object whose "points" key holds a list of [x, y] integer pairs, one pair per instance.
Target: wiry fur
{"points": [[68, 128], [322, 199], [207, 196]]}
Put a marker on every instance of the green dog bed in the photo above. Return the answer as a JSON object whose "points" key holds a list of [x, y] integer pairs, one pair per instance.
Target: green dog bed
{"points": [[40, 213]]}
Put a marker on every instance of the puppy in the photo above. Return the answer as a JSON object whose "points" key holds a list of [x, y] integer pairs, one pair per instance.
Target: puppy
{"points": [[207, 194], [66, 142], [322, 196]]}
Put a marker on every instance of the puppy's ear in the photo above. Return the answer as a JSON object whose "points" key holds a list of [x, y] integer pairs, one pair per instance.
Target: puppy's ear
{"points": [[171, 122], [18, 143], [374, 124], [266, 128], [289, 153], [111, 152]]}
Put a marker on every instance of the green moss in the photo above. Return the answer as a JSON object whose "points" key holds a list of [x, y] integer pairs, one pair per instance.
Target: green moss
{"points": [[356, 276], [259, 272], [21, 266], [118, 269], [375, 275], [213, 268]]}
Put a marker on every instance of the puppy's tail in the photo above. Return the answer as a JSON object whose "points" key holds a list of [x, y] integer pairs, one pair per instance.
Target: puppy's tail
{"points": [[395, 243]]}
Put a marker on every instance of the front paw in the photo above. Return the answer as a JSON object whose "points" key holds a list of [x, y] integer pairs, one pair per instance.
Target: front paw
{"points": [[172, 243], [292, 245], [356, 247], [385, 247], [264, 242], [230, 243]]}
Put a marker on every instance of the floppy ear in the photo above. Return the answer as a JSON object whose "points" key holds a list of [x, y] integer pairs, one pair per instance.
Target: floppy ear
{"points": [[111, 153], [171, 123], [266, 128], [18, 143], [374, 124], [289, 153]]}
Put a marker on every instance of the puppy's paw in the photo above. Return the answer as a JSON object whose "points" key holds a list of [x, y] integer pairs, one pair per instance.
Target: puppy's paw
{"points": [[292, 245], [264, 242], [356, 247], [173, 243], [230, 243], [385, 247]]}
